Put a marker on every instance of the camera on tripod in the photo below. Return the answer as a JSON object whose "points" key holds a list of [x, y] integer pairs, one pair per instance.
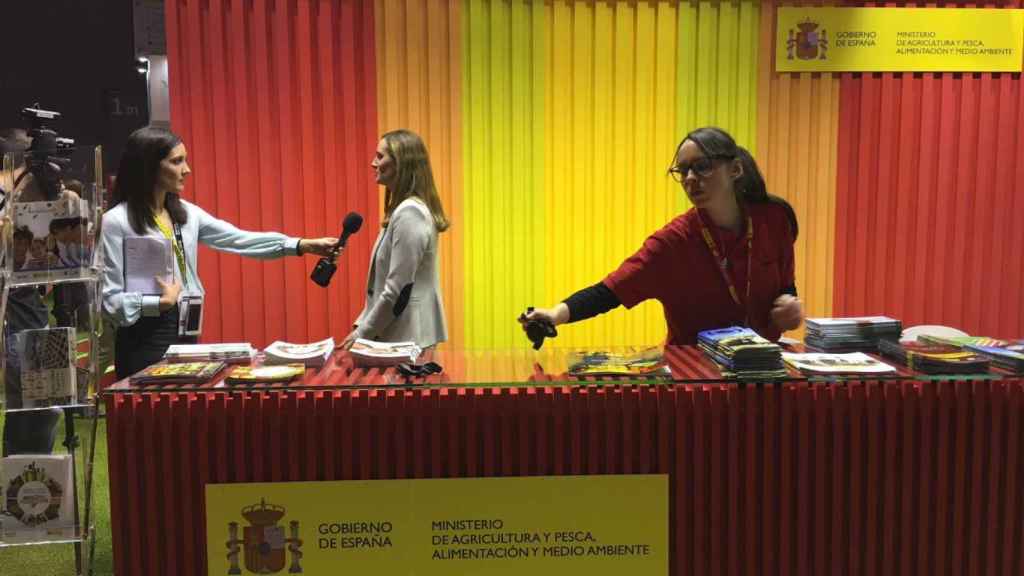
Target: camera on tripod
{"points": [[49, 155]]}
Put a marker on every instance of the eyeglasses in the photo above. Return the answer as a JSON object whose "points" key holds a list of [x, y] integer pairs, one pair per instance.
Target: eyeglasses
{"points": [[702, 167]]}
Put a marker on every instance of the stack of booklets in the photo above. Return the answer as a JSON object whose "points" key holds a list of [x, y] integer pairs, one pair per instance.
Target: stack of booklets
{"points": [[644, 362], [37, 498], [264, 374], [312, 355], [934, 358], [1008, 355], [742, 353], [824, 364], [233, 353], [858, 334], [370, 353], [1005, 354], [178, 373]]}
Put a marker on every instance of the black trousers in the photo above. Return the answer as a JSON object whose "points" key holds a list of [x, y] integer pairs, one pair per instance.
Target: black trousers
{"points": [[144, 343]]}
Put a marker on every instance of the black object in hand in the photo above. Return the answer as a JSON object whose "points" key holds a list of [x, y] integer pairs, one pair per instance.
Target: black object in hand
{"points": [[326, 267], [538, 329], [419, 370]]}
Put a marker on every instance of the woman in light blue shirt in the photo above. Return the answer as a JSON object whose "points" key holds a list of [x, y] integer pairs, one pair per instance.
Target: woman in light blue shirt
{"points": [[147, 202]]}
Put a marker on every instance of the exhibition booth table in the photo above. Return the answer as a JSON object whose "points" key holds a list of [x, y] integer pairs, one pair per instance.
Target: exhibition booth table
{"points": [[903, 474]]}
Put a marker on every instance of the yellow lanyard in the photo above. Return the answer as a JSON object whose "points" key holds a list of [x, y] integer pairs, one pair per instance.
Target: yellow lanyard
{"points": [[179, 251], [723, 264]]}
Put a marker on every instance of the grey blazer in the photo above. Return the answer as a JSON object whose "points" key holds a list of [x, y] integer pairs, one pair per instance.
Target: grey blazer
{"points": [[403, 291]]}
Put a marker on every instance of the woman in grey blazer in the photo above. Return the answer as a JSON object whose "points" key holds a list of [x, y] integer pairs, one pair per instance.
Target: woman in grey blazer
{"points": [[403, 292]]}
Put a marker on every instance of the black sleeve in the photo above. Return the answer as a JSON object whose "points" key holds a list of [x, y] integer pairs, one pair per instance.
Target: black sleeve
{"points": [[791, 290], [591, 301]]}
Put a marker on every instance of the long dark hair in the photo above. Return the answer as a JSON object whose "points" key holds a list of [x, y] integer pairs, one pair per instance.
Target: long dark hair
{"points": [[750, 187], [137, 175]]}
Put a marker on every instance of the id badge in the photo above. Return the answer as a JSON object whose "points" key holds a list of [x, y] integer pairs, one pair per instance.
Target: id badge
{"points": [[190, 315]]}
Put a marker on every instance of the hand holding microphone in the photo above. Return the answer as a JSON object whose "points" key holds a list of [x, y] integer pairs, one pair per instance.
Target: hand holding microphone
{"points": [[326, 267]]}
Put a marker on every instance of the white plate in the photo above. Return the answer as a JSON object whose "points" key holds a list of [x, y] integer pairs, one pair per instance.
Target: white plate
{"points": [[911, 334]]}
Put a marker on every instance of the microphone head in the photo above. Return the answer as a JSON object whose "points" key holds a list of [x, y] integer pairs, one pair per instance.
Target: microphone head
{"points": [[353, 221]]}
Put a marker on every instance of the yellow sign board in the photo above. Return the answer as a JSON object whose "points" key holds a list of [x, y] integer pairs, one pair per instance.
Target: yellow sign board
{"points": [[554, 525], [898, 40]]}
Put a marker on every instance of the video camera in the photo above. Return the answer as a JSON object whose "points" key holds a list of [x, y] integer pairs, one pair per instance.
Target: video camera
{"points": [[48, 155]]}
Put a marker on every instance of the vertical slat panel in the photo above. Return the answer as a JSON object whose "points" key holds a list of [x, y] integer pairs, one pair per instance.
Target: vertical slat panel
{"points": [[887, 529], [246, 129], [736, 482], [571, 111], [287, 35], [797, 126], [220, 163], [769, 478], [787, 457], [982, 423], [895, 218], [927, 496], [1011, 528], [857, 480], [502, 121], [717, 485], [309, 167], [927, 166], [822, 479], [945, 438], [419, 69], [839, 531], [873, 530], [961, 515], [119, 470], [803, 487], [151, 553], [270, 98], [910, 479]]}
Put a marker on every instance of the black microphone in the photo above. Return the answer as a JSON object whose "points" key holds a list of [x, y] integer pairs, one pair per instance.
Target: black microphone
{"points": [[326, 267], [352, 223]]}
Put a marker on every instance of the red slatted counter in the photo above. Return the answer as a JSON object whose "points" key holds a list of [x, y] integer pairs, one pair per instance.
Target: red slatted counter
{"points": [[898, 476]]}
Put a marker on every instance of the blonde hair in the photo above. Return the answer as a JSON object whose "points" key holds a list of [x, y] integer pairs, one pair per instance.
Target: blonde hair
{"points": [[413, 177]]}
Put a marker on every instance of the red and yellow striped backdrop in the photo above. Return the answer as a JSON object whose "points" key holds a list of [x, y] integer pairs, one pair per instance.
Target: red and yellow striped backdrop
{"points": [[551, 125]]}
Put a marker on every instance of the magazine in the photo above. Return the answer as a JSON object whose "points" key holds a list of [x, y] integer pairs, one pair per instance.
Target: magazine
{"points": [[851, 363], [1005, 354], [643, 362], [48, 375], [367, 353], [856, 334], [934, 358], [37, 498], [1009, 355], [740, 352], [180, 373], [311, 355], [145, 259], [52, 240], [257, 374], [231, 353]]}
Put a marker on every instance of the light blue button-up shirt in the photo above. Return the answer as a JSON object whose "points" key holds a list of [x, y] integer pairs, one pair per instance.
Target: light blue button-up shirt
{"points": [[125, 308]]}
